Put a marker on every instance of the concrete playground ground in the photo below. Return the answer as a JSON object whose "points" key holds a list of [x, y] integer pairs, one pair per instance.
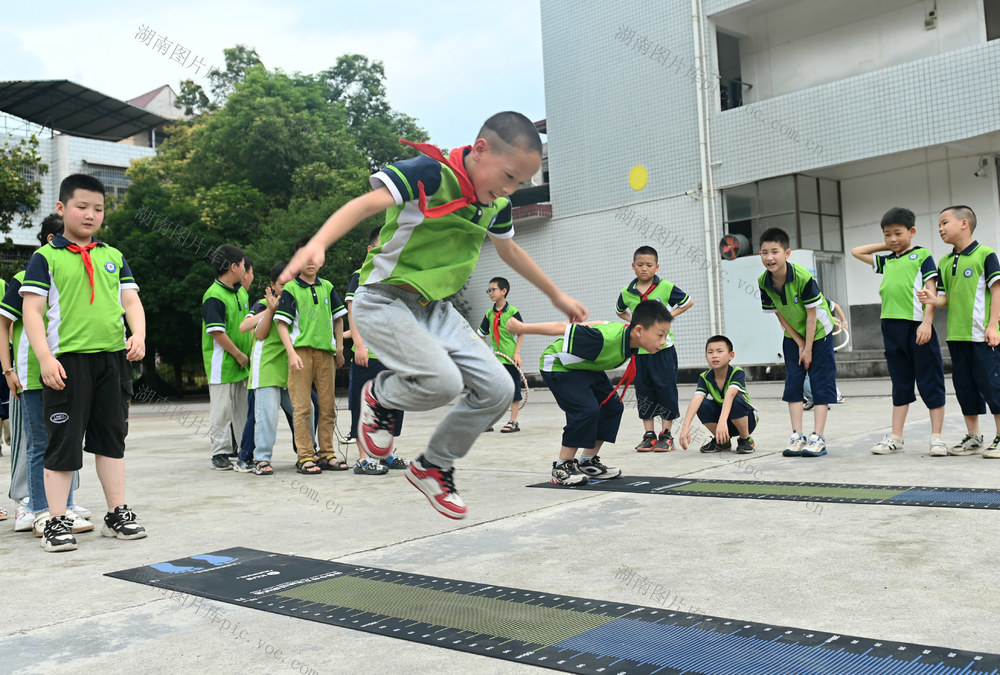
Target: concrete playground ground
{"points": [[901, 573]]}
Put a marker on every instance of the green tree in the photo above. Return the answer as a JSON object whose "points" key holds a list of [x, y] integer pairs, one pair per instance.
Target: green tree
{"points": [[263, 169], [20, 194]]}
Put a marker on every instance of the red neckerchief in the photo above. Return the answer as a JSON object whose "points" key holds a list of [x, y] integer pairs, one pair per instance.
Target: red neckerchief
{"points": [[497, 313], [88, 264], [643, 296], [455, 163], [625, 381]]}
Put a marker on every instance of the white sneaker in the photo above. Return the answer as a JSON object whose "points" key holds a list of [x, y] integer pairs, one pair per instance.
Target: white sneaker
{"points": [[889, 446], [795, 445], [972, 444], [23, 518], [993, 452], [81, 511], [815, 446], [938, 447], [79, 524]]}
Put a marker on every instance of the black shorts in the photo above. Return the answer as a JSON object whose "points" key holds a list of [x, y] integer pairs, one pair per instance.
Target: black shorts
{"points": [[93, 408]]}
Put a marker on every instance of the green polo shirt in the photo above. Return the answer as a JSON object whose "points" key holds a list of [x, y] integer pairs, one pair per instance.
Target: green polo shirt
{"points": [[902, 276], [222, 310], [664, 291], [25, 361], [966, 278], [708, 386], [77, 325], [799, 293], [601, 347], [269, 360], [500, 340], [433, 255], [309, 311]]}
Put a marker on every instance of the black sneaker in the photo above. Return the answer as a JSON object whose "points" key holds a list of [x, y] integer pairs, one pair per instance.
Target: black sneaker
{"points": [[744, 446], [373, 468], [221, 463], [121, 524], [648, 441], [711, 446], [568, 473], [595, 469], [58, 535]]}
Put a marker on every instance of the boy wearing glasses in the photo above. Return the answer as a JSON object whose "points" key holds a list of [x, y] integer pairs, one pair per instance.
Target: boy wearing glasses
{"points": [[494, 331]]}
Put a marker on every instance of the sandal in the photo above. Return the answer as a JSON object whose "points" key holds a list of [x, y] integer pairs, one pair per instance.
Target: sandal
{"points": [[263, 468], [370, 468], [332, 463], [510, 427], [307, 466]]}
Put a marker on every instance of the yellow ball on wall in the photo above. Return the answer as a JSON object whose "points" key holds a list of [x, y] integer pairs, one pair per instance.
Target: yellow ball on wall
{"points": [[637, 177]]}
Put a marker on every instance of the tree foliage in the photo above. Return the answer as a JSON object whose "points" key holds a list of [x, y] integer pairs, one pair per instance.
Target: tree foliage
{"points": [[20, 192], [268, 160]]}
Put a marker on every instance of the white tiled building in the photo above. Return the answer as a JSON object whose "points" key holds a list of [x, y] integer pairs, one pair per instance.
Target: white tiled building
{"points": [[810, 115]]}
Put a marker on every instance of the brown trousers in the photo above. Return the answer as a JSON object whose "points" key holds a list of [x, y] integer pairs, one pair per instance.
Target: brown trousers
{"points": [[319, 368]]}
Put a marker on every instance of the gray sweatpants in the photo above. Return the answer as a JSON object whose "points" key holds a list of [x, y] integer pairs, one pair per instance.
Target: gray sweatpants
{"points": [[432, 353]]}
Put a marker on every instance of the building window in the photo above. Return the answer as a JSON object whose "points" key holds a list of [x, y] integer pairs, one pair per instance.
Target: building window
{"points": [[805, 207], [115, 182], [730, 81]]}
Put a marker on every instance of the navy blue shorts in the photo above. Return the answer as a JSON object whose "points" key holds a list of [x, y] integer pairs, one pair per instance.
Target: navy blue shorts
{"points": [[911, 363], [656, 384], [516, 376], [709, 411], [822, 372], [975, 371], [579, 393]]}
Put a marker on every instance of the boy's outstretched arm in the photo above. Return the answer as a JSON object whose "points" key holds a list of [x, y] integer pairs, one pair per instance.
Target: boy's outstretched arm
{"points": [[685, 438], [557, 328], [521, 262], [336, 226], [866, 253]]}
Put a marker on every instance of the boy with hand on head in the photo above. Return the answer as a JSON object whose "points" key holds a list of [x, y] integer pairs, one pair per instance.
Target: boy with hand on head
{"points": [[493, 330], [312, 330], [438, 212], [86, 289], [791, 293], [364, 367], [911, 345], [225, 351], [573, 368], [721, 401], [969, 290], [656, 374]]}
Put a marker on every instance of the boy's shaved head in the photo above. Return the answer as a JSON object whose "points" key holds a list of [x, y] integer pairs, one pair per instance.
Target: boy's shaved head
{"points": [[513, 129], [963, 212]]}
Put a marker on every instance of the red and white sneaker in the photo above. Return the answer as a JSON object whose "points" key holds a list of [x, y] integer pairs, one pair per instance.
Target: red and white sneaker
{"points": [[438, 486], [375, 424]]}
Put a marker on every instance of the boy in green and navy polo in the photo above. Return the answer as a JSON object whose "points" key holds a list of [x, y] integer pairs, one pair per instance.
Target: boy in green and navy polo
{"points": [[573, 368], [364, 367], [911, 345], [721, 401], [312, 332], [438, 212], [493, 330], [969, 290], [226, 352], [791, 293], [656, 374], [86, 289]]}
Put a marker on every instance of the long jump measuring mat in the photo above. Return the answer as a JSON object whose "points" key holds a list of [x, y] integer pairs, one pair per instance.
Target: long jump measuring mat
{"points": [[838, 493], [549, 630]]}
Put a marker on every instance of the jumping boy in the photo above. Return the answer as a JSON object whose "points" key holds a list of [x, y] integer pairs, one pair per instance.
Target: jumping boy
{"points": [[312, 331], [439, 210], [225, 352], [86, 288], [721, 401], [656, 374], [493, 330], [573, 368], [969, 290], [791, 293], [365, 366], [911, 345]]}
